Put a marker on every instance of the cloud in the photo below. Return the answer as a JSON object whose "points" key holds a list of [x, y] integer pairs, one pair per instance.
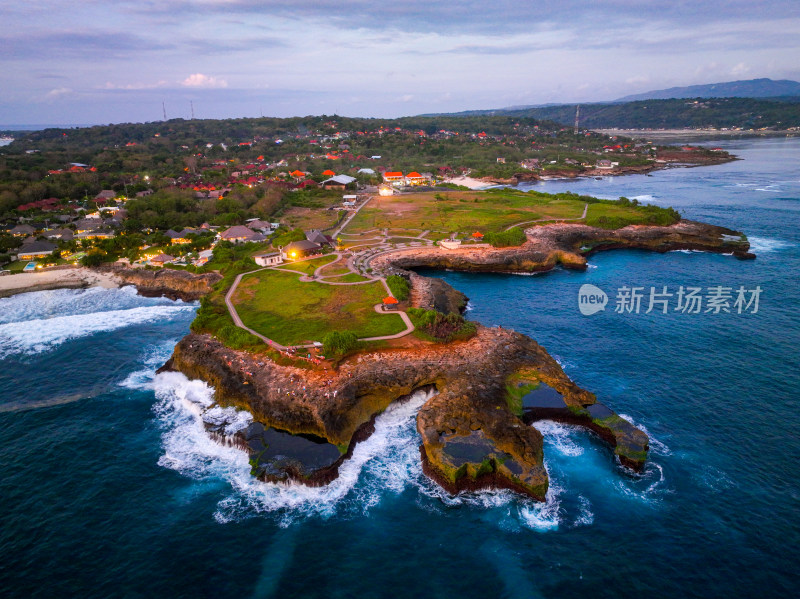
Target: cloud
{"points": [[740, 69], [201, 80], [57, 93]]}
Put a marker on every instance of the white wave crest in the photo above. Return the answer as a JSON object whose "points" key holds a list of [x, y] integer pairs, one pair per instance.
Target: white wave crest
{"points": [[586, 517], [387, 461], [656, 446], [39, 335], [559, 436], [764, 245], [67, 302], [152, 359], [543, 516]]}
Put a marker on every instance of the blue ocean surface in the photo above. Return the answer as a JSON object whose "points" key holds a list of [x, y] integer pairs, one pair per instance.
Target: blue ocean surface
{"points": [[110, 487]]}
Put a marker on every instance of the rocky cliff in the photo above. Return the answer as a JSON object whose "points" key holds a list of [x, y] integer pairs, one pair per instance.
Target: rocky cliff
{"points": [[174, 284], [569, 245], [471, 435]]}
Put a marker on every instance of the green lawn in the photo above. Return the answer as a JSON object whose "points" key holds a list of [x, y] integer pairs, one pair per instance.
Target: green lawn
{"points": [[461, 211], [308, 266], [291, 312]]}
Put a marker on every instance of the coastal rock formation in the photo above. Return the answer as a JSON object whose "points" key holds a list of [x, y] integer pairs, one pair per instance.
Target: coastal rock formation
{"points": [[569, 245], [472, 437], [174, 284]]}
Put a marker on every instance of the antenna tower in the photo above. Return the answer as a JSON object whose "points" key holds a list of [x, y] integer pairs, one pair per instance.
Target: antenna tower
{"points": [[577, 117], [164, 109], [191, 103]]}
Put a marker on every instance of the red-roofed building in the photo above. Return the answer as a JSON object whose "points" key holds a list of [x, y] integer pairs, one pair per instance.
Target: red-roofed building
{"points": [[393, 176], [414, 178], [328, 173]]}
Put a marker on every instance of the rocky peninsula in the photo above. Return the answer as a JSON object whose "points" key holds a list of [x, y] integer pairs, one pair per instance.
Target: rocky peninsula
{"points": [[483, 392]]}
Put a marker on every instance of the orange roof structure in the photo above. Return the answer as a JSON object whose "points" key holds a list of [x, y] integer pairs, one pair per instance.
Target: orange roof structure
{"points": [[328, 173], [414, 175], [477, 235], [297, 173], [390, 300], [393, 174]]}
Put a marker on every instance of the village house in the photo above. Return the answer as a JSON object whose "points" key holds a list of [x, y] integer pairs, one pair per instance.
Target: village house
{"points": [[260, 226], [393, 177], [299, 249], [414, 178], [22, 231], [182, 237], [316, 236], [268, 259], [161, 260], [338, 182], [35, 249], [241, 234], [607, 164], [62, 234]]}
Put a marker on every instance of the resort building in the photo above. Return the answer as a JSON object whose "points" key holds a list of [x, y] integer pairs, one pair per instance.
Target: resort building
{"points": [[269, 259], [414, 178], [35, 249], [161, 260], [299, 249], [393, 177], [241, 234]]}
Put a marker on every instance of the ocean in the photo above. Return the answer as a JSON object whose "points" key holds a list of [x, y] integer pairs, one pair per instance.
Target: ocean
{"points": [[111, 488]]}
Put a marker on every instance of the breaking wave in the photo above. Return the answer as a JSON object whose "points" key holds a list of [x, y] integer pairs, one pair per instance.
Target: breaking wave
{"points": [[387, 462], [764, 245], [43, 334]]}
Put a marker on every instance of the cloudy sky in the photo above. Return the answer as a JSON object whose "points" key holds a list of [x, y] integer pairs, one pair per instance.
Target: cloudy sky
{"points": [[116, 61]]}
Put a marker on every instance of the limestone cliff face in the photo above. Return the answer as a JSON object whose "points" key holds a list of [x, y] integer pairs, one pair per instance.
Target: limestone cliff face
{"points": [[569, 245], [174, 284], [470, 436]]}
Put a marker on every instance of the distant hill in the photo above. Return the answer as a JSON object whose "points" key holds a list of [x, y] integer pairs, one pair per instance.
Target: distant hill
{"points": [[751, 88], [747, 113]]}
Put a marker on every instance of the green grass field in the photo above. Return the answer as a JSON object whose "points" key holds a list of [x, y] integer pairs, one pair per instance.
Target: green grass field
{"points": [[291, 312], [463, 211], [307, 266]]}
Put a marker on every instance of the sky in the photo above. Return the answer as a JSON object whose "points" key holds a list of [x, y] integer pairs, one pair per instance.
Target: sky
{"points": [[112, 61]]}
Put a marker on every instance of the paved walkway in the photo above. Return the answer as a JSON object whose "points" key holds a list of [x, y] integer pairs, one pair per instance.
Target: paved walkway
{"points": [[306, 278], [545, 220]]}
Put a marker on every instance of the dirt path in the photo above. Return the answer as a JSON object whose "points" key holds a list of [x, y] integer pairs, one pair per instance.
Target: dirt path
{"points": [[556, 220]]}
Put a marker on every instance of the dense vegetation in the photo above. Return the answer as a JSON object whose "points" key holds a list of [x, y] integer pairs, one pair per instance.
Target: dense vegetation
{"points": [[435, 326], [501, 239], [399, 287], [747, 113]]}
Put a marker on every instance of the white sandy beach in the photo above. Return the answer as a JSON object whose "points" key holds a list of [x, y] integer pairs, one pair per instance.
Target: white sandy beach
{"points": [[66, 278], [469, 182]]}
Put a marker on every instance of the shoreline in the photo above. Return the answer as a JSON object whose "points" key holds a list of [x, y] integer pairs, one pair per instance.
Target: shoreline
{"points": [[71, 277]]}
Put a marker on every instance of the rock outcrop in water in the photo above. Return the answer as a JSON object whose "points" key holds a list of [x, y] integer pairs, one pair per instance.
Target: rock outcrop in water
{"points": [[471, 437], [486, 391], [569, 245], [174, 284]]}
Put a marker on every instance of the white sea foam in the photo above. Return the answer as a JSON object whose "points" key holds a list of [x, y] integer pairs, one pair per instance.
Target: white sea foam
{"points": [[646, 197], [586, 517], [543, 516], [764, 245], [656, 446], [387, 461], [67, 302], [559, 436], [152, 359], [231, 419], [39, 335]]}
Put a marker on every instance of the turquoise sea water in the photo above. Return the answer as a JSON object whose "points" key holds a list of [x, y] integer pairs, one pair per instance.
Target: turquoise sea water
{"points": [[110, 487]]}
